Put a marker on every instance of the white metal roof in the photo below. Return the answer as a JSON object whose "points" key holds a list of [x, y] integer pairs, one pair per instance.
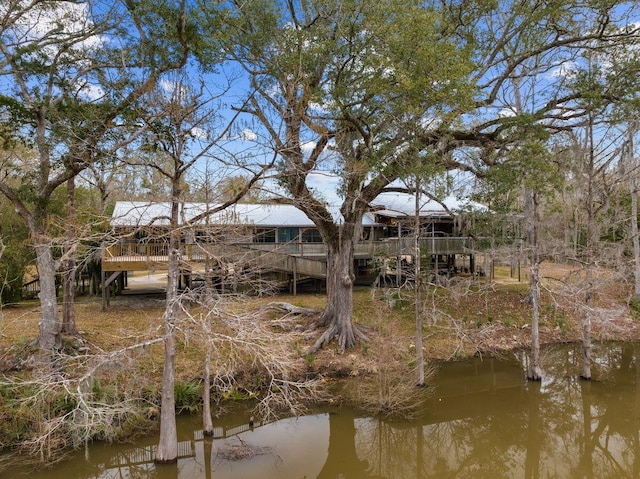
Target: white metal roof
{"points": [[141, 213], [403, 204]]}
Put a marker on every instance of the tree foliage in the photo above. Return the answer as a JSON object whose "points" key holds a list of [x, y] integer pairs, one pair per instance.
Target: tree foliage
{"points": [[72, 73]]}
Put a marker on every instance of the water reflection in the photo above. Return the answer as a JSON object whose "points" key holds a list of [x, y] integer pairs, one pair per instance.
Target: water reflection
{"points": [[483, 421]]}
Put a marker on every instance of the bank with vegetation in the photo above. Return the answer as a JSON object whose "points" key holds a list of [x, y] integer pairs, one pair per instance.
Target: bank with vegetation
{"points": [[105, 382], [530, 108]]}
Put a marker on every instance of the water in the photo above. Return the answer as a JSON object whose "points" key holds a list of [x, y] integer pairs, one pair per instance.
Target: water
{"points": [[483, 421]]}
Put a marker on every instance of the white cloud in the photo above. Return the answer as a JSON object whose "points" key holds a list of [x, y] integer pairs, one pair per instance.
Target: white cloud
{"points": [[175, 89], [323, 178], [167, 86], [91, 92], [320, 108], [308, 146], [326, 185], [567, 69], [199, 133], [506, 113], [248, 135], [60, 24]]}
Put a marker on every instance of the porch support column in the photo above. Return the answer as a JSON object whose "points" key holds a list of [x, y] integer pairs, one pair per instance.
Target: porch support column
{"points": [[295, 276], [104, 291], [105, 287]]}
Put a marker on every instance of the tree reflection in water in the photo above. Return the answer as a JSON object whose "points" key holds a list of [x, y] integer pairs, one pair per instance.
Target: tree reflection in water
{"points": [[484, 420], [493, 423]]}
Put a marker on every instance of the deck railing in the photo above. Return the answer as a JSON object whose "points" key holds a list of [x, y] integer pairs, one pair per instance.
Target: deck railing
{"points": [[158, 251], [136, 250]]}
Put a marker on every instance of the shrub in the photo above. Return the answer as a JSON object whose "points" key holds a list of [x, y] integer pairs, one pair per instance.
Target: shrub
{"points": [[188, 396]]}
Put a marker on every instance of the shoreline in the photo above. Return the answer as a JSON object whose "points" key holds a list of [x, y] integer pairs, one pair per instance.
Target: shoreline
{"points": [[458, 326]]}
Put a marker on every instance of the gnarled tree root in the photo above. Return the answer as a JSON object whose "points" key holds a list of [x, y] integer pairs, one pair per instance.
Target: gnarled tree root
{"points": [[346, 338]]}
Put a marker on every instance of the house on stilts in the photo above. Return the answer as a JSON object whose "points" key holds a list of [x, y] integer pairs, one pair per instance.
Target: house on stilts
{"points": [[279, 243]]}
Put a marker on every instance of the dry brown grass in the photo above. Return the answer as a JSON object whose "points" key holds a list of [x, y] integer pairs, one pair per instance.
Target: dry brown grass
{"points": [[469, 317]]}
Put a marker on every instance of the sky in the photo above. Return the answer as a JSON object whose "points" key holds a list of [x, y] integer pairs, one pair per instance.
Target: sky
{"points": [[243, 140]]}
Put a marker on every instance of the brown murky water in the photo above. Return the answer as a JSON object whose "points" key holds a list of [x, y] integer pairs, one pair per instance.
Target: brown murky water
{"points": [[483, 421]]}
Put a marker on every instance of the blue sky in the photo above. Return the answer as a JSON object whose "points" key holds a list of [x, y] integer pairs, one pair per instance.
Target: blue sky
{"points": [[246, 139]]}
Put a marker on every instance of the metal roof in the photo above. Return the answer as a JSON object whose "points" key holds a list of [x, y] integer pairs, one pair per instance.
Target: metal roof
{"points": [[141, 213], [398, 205]]}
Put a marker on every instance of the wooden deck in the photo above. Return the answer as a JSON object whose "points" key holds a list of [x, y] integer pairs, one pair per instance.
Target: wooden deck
{"points": [[304, 259]]}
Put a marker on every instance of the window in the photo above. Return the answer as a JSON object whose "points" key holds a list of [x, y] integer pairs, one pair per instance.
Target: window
{"points": [[311, 235], [264, 235]]}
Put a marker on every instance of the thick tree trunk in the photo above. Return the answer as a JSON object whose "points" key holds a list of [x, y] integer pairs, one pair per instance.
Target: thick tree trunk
{"points": [[418, 284], [49, 339], [634, 212], [69, 266], [207, 422], [592, 240], [168, 442], [339, 311], [534, 373]]}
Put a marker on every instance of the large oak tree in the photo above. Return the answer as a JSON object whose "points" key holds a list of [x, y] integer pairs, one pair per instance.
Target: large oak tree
{"points": [[362, 89], [342, 87]]}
